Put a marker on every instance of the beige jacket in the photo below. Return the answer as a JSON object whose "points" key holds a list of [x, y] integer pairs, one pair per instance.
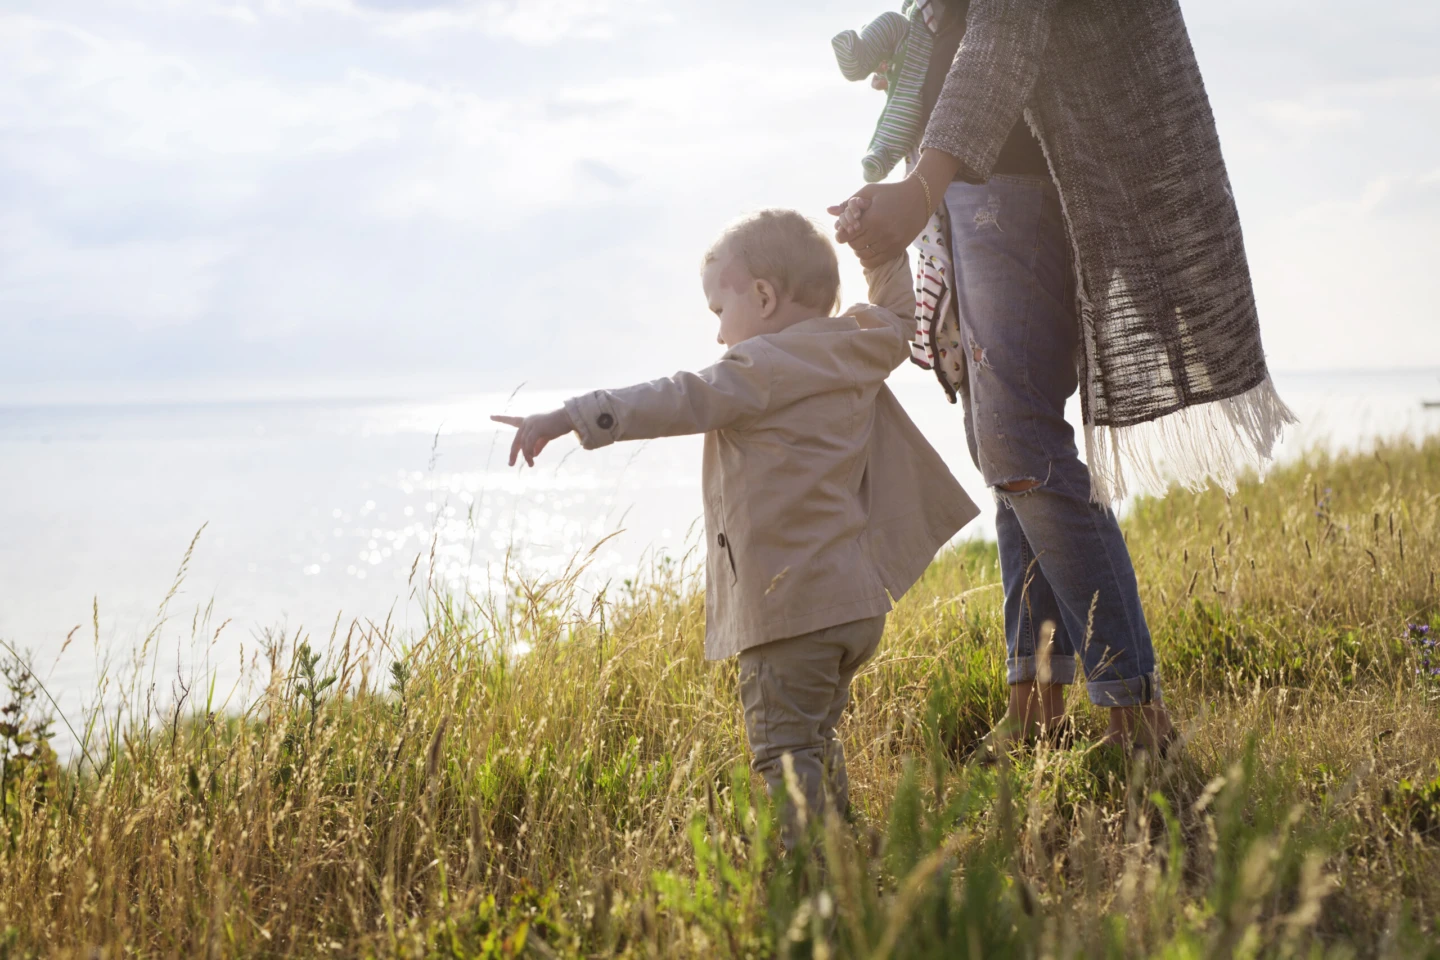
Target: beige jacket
{"points": [[822, 499]]}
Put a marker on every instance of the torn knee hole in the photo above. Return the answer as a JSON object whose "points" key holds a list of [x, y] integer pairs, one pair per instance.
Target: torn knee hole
{"points": [[1019, 486], [979, 355]]}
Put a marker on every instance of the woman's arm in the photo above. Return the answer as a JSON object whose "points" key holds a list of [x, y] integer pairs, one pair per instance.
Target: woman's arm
{"points": [[894, 213], [985, 91], [989, 82]]}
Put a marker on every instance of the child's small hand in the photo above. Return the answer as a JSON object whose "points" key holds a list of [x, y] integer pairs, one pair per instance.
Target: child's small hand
{"points": [[854, 210], [532, 433], [848, 216]]}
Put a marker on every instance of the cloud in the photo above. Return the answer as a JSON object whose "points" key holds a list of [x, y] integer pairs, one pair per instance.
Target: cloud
{"points": [[531, 22], [1339, 208], [1299, 116], [127, 100], [604, 173], [535, 22], [345, 185], [407, 5], [46, 277], [1385, 195], [1394, 88], [174, 192], [74, 103], [658, 131], [1333, 107]]}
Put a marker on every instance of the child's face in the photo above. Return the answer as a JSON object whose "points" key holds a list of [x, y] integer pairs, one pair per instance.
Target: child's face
{"points": [[743, 304]]}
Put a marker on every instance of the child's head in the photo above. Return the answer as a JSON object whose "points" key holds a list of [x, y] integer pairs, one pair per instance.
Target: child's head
{"points": [[768, 270]]}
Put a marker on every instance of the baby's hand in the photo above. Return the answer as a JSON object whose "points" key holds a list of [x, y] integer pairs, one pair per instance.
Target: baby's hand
{"points": [[853, 211], [848, 216], [532, 433]]}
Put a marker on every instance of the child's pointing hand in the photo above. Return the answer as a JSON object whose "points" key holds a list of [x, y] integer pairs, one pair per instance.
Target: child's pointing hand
{"points": [[534, 432]]}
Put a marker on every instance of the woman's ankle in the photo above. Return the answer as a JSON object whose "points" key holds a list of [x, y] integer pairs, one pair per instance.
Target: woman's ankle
{"points": [[1033, 707], [1142, 726]]}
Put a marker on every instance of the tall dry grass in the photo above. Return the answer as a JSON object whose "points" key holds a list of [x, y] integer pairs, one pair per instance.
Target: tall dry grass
{"points": [[588, 797]]}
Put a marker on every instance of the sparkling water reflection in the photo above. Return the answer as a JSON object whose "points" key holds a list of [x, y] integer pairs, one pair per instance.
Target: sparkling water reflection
{"points": [[316, 508]]}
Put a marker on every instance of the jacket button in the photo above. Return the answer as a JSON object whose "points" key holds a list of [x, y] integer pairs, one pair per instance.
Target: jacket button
{"points": [[721, 540], [604, 421]]}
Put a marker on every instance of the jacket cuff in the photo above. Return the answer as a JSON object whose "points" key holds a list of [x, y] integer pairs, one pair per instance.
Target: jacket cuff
{"points": [[594, 419]]}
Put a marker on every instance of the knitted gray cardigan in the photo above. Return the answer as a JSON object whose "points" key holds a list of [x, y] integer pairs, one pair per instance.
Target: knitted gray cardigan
{"points": [[1173, 377]]}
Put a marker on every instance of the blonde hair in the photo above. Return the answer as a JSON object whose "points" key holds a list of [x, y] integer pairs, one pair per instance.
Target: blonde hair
{"points": [[787, 249]]}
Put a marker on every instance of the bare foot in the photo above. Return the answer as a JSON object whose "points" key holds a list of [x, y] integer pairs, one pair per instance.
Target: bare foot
{"points": [[1147, 726], [1034, 708]]}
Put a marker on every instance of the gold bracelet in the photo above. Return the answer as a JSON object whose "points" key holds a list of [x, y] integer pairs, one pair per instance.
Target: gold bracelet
{"points": [[929, 204]]}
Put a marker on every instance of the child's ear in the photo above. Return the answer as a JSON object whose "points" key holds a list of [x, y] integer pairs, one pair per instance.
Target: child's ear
{"points": [[769, 300]]}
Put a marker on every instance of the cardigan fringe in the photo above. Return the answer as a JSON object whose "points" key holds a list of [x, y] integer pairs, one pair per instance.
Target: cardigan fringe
{"points": [[1215, 442]]}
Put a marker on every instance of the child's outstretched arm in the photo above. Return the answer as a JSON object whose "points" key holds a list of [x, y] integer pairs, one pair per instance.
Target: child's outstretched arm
{"points": [[724, 395]]}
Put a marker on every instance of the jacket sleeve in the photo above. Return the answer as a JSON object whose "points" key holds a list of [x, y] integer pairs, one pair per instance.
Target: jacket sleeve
{"points": [[989, 82], [727, 394], [892, 287], [891, 309]]}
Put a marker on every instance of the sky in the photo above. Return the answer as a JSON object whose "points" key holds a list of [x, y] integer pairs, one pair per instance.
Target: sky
{"points": [[302, 196]]}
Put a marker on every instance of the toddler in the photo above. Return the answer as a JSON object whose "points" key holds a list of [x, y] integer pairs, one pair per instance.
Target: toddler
{"points": [[823, 502]]}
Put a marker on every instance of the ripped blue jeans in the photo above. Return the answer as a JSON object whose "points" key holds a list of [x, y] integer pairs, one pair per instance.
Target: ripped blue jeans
{"points": [[1063, 560]]}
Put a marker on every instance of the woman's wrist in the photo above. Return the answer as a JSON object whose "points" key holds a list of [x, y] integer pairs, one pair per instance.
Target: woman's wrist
{"points": [[932, 175], [919, 178]]}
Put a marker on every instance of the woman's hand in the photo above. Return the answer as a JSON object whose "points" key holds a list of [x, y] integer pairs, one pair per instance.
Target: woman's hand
{"points": [[881, 219], [893, 215], [534, 432]]}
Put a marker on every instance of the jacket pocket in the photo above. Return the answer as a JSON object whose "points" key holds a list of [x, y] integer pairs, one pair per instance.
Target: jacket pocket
{"points": [[723, 542]]}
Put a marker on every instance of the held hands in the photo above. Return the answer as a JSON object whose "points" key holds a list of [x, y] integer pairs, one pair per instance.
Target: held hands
{"points": [[532, 433], [893, 215]]}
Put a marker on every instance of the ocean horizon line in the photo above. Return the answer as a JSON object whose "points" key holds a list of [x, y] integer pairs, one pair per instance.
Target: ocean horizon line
{"points": [[367, 391]]}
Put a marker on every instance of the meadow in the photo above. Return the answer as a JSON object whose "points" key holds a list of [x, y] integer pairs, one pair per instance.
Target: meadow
{"points": [[556, 773]]}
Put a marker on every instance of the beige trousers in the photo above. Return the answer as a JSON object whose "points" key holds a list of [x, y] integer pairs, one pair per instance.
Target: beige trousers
{"points": [[794, 692]]}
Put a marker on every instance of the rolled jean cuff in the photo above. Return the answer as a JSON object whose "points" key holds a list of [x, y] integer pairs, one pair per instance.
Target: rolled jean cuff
{"points": [[1133, 692], [1025, 669]]}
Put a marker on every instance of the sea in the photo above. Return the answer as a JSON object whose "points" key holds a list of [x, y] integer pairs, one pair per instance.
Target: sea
{"points": [[158, 546]]}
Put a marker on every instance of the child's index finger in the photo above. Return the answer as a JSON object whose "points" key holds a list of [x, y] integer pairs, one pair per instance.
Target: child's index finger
{"points": [[508, 421]]}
